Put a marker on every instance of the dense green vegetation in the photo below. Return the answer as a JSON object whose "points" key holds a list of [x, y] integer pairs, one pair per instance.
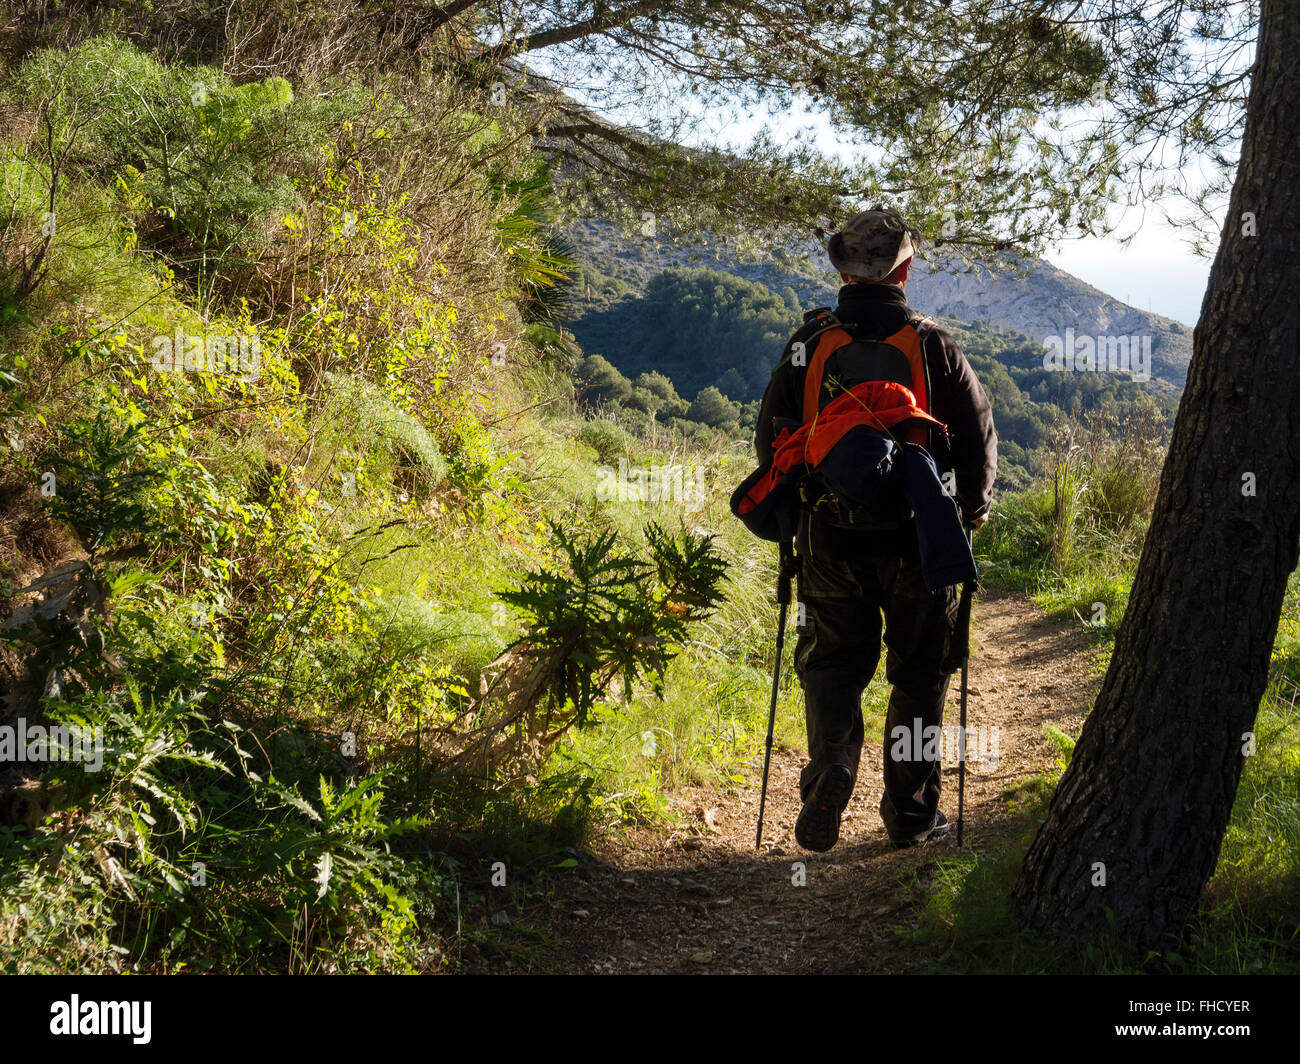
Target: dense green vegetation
{"points": [[268, 464], [698, 327]]}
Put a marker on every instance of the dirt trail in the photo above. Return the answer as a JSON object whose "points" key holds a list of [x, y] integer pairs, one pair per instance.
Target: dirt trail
{"points": [[704, 901]]}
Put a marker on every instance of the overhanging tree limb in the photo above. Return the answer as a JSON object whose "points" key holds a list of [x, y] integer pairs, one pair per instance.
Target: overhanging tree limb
{"points": [[602, 20]]}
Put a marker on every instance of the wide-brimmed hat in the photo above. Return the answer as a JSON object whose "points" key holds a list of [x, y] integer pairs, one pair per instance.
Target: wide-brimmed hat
{"points": [[873, 244]]}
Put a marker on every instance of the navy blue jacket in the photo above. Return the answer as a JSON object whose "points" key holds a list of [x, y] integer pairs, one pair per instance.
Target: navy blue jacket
{"points": [[945, 554]]}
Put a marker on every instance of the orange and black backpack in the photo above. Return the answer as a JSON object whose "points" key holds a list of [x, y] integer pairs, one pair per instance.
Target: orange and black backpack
{"points": [[865, 405], [837, 360]]}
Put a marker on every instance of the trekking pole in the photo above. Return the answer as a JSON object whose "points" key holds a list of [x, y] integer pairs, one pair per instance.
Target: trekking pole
{"points": [[966, 593], [784, 573]]}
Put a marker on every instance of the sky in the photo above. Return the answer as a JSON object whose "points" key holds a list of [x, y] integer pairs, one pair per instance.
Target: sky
{"points": [[1156, 271]]}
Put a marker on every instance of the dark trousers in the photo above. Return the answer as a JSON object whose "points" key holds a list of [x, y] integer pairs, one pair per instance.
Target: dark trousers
{"points": [[843, 592]]}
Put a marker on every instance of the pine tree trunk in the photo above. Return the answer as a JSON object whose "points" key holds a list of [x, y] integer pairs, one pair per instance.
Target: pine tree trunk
{"points": [[1148, 794]]}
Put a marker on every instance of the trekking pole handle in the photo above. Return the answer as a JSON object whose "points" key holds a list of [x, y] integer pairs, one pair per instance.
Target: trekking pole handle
{"points": [[788, 565]]}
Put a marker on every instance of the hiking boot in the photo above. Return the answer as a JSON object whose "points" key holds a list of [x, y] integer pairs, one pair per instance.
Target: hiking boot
{"points": [[818, 826], [940, 827]]}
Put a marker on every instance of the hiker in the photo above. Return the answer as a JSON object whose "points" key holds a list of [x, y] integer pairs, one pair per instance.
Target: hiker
{"points": [[899, 395]]}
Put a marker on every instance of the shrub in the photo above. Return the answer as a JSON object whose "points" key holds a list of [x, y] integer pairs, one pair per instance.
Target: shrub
{"points": [[193, 155], [374, 424], [713, 408], [602, 616], [610, 441], [599, 381]]}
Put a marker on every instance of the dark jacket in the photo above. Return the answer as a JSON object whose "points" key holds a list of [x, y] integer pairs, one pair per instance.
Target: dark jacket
{"points": [[956, 396]]}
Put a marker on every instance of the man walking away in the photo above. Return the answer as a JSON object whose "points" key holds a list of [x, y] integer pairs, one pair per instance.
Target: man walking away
{"points": [[849, 577]]}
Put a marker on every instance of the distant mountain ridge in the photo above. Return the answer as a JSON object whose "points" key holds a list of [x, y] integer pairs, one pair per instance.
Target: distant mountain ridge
{"points": [[1046, 301]]}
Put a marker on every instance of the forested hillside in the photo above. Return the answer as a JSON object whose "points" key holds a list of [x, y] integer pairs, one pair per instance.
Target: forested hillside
{"points": [[1018, 294], [697, 346]]}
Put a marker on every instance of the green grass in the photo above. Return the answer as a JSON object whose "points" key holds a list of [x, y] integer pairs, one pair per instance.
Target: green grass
{"points": [[1248, 919]]}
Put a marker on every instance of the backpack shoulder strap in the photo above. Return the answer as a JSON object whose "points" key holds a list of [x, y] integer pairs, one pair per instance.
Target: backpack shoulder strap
{"points": [[829, 334], [828, 339], [815, 322], [925, 327]]}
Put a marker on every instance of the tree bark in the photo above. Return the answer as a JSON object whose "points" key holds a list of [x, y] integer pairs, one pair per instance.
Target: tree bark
{"points": [[1150, 788]]}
